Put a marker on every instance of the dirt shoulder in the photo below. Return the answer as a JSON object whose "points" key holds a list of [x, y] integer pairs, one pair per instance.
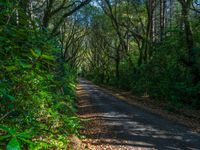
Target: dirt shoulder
{"points": [[190, 118]]}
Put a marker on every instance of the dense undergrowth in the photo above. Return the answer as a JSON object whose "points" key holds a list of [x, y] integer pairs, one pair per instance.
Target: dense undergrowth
{"points": [[160, 80], [37, 88], [164, 78]]}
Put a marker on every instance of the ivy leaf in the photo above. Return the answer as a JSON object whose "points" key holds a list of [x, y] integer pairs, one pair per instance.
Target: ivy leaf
{"points": [[13, 144]]}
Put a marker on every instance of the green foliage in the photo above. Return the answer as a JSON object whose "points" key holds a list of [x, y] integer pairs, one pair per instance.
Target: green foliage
{"points": [[165, 77], [14, 138], [37, 90], [13, 144]]}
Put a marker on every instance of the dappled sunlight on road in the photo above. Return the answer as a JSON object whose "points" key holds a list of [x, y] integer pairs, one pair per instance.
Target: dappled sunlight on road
{"points": [[114, 124]]}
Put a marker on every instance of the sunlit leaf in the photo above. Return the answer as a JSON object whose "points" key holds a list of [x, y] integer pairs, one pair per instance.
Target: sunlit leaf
{"points": [[47, 57], [34, 53], [13, 144], [11, 68]]}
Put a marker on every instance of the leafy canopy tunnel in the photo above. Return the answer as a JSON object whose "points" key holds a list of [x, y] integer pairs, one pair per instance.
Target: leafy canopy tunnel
{"points": [[149, 47]]}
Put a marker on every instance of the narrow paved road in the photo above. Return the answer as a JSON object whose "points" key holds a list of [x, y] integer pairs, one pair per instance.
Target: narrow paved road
{"points": [[117, 125]]}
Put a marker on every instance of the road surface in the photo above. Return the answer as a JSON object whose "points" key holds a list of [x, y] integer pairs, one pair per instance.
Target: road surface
{"points": [[114, 124]]}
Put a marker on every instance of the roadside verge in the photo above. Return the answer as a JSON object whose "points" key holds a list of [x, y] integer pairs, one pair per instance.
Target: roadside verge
{"points": [[190, 118]]}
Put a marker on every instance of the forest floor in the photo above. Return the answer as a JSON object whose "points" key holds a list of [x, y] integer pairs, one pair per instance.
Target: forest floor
{"points": [[110, 123]]}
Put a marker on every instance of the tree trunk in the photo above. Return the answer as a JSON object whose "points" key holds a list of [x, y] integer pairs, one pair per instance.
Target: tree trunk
{"points": [[150, 36], [162, 18], [117, 60], [190, 62]]}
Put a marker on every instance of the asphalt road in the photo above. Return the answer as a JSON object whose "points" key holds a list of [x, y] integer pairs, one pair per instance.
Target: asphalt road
{"points": [[118, 125]]}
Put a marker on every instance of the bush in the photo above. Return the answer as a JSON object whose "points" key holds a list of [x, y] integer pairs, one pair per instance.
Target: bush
{"points": [[36, 90]]}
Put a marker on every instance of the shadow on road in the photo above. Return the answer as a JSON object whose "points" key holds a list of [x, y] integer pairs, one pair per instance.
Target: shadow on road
{"points": [[119, 125]]}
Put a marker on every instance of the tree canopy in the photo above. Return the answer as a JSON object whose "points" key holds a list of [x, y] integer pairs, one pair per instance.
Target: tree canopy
{"points": [[150, 47]]}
